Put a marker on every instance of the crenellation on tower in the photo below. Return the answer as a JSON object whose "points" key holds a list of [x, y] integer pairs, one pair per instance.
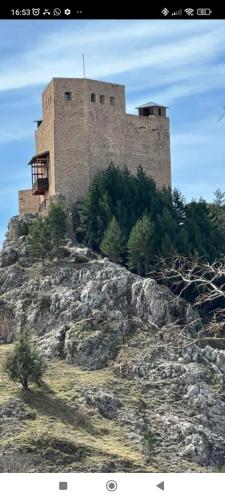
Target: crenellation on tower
{"points": [[84, 128]]}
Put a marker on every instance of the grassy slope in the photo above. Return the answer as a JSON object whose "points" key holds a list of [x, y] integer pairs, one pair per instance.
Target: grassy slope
{"points": [[58, 435]]}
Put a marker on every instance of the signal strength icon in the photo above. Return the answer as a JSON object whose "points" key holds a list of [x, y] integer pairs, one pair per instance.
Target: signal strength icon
{"points": [[165, 11], [189, 12], [177, 13]]}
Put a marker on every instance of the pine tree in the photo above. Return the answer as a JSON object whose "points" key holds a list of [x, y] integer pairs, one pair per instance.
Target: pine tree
{"points": [[219, 199], [113, 241], [24, 364], [57, 224], [190, 228], [179, 207], [93, 213], [139, 245], [183, 241], [217, 210], [167, 245], [39, 239]]}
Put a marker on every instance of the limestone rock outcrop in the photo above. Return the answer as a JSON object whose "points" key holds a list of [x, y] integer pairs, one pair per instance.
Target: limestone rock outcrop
{"points": [[97, 315]]}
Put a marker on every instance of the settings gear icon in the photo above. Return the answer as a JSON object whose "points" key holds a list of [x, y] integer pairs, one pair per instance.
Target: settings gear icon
{"points": [[67, 12]]}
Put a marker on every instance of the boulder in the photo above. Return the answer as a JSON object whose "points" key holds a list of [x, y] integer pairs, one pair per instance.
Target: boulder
{"points": [[106, 402], [8, 256]]}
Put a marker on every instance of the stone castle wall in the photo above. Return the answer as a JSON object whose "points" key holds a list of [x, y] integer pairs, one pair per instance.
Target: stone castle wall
{"points": [[87, 133], [147, 141], [90, 135], [84, 134], [44, 135], [28, 203]]}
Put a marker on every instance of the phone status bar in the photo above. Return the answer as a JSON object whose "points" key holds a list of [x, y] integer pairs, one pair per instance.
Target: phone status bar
{"points": [[98, 12]]}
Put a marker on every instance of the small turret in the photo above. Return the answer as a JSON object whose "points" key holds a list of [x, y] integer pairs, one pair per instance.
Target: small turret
{"points": [[151, 109]]}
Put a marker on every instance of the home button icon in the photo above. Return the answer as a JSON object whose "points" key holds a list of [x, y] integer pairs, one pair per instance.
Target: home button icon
{"points": [[111, 485]]}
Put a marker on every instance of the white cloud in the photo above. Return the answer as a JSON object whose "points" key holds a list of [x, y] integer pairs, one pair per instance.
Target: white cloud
{"points": [[115, 48]]}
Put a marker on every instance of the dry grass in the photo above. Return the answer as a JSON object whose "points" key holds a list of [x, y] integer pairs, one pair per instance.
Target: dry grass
{"points": [[64, 432]]}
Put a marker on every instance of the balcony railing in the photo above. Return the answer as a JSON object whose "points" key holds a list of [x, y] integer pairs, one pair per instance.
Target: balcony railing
{"points": [[39, 170], [40, 186]]}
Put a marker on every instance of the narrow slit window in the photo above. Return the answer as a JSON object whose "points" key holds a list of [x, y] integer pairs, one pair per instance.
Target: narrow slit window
{"points": [[68, 96], [93, 97], [112, 101], [160, 112], [102, 99]]}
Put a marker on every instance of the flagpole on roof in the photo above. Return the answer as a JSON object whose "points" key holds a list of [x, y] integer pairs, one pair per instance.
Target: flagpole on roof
{"points": [[84, 66]]}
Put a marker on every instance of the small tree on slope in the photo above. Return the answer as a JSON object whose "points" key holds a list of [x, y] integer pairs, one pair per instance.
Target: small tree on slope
{"points": [[24, 364], [57, 223], [39, 239]]}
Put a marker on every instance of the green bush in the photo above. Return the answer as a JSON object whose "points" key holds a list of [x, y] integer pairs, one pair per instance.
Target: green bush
{"points": [[23, 228], [47, 234], [24, 364], [149, 445]]}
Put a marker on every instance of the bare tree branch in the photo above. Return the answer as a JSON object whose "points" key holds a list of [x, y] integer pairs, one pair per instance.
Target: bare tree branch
{"points": [[186, 274]]}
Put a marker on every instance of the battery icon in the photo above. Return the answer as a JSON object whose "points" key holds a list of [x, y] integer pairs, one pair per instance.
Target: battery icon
{"points": [[204, 12]]}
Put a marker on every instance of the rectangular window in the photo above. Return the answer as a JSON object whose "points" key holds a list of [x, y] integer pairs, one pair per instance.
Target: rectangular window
{"points": [[68, 96], [102, 99], [146, 112], [93, 97], [112, 101]]}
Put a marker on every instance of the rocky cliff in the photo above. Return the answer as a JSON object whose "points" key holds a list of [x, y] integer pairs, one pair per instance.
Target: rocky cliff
{"points": [[121, 392]]}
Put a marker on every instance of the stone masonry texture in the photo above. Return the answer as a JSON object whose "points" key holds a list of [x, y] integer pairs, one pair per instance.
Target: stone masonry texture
{"points": [[85, 127], [27, 202]]}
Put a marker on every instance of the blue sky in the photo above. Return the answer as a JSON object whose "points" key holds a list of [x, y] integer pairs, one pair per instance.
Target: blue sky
{"points": [[180, 64]]}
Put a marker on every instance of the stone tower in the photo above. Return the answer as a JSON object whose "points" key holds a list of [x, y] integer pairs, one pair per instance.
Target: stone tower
{"points": [[85, 127]]}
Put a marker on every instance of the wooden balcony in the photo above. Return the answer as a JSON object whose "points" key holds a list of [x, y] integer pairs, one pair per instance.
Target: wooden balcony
{"points": [[39, 168], [40, 186]]}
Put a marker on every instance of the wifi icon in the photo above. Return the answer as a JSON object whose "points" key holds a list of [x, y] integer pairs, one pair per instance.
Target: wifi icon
{"points": [[189, 12]]}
